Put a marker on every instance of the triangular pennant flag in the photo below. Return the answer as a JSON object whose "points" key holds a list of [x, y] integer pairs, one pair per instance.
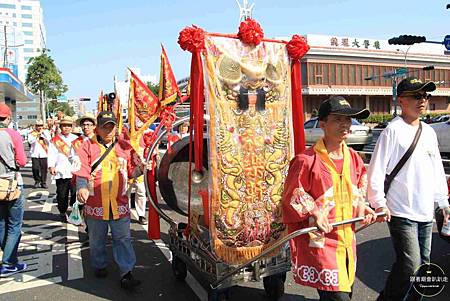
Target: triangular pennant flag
{"points": [[143, 109], [168, 88]]}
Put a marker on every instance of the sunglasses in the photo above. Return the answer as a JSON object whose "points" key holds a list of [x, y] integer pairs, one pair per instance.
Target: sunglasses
{"points": [[419, 96]]}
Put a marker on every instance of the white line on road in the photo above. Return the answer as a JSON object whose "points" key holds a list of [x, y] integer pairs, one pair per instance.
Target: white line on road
{"points": [[74, 259]]}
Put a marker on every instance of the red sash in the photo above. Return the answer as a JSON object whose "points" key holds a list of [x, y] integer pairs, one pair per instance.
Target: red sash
{"points": [[61, 145], [77, 143], [41, 141]]}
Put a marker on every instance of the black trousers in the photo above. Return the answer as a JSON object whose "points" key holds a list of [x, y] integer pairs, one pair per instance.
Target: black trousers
{"points": [[64, 187], [39, 168], [334, 296]]}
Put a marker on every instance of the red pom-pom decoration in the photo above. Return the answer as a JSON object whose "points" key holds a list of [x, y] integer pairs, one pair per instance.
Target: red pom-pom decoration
{"points": [[192, 39], [250, 32], [297, 47]]}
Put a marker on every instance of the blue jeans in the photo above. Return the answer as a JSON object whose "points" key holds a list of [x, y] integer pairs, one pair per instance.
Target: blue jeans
{"points": [[412, 245], [11, 217], [123, 251]]}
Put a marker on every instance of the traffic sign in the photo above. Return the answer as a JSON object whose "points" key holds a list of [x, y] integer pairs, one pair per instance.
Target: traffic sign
{"points": [[401, 71], [447, 42]]}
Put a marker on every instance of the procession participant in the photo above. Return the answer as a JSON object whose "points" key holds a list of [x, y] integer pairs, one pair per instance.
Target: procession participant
{"points": [[106, 164], [325, 184], [183, 131], [140, 196], [60, 166], [52, 127], [12, 156], [87, 124], [409, 202], [39, 140]]}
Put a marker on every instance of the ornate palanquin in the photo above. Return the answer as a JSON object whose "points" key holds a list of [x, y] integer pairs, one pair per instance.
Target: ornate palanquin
{"points": [[247, 83]]}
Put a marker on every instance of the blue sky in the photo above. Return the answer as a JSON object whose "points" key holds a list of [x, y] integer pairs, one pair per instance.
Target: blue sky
{"points": [[91, 41]]}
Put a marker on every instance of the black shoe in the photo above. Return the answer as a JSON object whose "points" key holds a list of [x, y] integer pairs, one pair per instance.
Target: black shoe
{"points": [[43, 185], [101, 273], [36, 185], [142, 220], [63, 218], [128, 282]]}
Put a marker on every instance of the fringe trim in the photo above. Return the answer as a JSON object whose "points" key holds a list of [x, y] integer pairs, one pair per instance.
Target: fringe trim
{"points": [[239, 255]]}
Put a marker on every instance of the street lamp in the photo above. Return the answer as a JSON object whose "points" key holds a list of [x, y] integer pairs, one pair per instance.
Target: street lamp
{"points": [[405, 53]]}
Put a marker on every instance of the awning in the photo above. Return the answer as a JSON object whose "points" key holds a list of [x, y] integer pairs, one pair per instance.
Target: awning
{"points": [[12, 88]]}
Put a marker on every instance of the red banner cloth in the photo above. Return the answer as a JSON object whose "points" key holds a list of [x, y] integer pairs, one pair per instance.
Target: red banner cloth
{"points": [[297, 107], [154, 227]]}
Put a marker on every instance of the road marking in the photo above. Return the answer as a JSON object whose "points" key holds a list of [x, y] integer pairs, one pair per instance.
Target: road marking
{"points": [[19, 286], [74, 259], [195, 286]]}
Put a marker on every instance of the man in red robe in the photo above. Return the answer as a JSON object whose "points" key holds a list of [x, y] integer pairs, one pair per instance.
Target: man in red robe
{"points": [[326, 184], [107, 162]]}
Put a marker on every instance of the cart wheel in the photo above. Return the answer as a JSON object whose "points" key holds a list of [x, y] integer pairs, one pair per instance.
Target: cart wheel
{"points": [[274, 286], [219, 295], [179, 268]]}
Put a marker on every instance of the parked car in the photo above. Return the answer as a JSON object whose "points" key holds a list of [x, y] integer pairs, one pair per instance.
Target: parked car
{"points": [[442, 130], [359, 136]]}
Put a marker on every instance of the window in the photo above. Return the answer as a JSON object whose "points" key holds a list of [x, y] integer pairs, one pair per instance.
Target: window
{"points": [[14, 15], [28, 42], [318, 74], [27, 16], [27, 33], [12, 6], [27, 58], [32, 117], [14, 23], [28, 50], [26, 7], [27, 24], [338, 74]]}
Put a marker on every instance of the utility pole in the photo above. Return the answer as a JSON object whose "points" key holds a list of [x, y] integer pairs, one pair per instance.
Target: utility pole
{"points": [[5, 55]]}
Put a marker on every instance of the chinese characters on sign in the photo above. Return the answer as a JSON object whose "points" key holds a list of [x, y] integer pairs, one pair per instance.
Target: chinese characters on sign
{"points": [[334, 41]]}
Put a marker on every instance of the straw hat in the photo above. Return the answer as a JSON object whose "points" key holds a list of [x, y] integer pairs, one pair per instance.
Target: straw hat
{"points": [[39, 122], [87, 116], [66, 120]]}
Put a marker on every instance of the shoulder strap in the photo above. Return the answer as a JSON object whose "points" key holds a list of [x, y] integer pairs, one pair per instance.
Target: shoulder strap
{"points": [[391, 176], [97, 163]]}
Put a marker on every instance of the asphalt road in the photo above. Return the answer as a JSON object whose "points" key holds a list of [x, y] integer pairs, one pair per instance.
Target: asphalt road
{"points": [[58, 258]]}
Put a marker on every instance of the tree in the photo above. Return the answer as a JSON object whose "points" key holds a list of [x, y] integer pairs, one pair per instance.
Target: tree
{"points": [[153, 87], [44, 79], [53, 107]]}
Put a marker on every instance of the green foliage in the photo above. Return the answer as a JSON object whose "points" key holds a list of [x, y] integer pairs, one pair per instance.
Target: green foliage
{"points": [[43, 76], [53, 107], [154, 88], [377, 118]]}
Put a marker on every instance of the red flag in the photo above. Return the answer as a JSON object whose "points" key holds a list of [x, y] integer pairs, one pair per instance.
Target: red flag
{"points": [[118, 113], [168, 88], [102, 104], [143, 109]]}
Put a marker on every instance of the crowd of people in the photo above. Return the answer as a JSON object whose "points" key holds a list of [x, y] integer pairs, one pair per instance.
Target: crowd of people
{"points": [[328, 182]]}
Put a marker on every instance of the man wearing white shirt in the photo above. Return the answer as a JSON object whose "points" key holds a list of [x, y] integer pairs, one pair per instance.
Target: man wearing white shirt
{"points": [[39, 140], [60, 166], [409, 202]]}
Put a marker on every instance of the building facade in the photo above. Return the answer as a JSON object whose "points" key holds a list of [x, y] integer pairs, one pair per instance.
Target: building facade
{"points": [[24, 37], [343, 65]]}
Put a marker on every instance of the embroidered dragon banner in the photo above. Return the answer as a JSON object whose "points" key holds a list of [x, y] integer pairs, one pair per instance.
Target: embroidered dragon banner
{"points": [[248, 98]]}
